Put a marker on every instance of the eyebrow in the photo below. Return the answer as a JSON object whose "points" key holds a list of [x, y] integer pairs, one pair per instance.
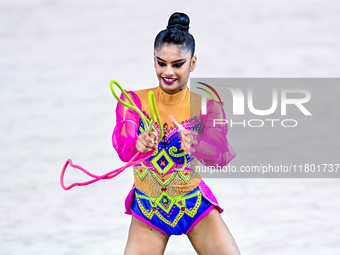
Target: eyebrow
{"points": [[179, 60]]}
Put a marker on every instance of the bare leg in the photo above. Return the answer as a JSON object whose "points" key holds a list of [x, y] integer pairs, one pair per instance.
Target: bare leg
{"points": [[212, 236], [144, 239]]}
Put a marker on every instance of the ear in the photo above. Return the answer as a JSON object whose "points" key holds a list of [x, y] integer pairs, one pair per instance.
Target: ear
{"points": [[193, 63], [154, 60]]}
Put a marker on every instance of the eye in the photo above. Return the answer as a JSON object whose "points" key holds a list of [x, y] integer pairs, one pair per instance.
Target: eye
{"points": [[179, 64], [161, 63]]}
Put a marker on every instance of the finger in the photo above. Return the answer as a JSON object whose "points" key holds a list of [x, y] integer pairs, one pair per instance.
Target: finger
{"points": [[149, 149], [153, 142], [189, 150], [149, 140], [187, 146], [175, 123], [192, 139], [186, 139], [144, 135], [192, 132], [153, 145], [142, 148], [183, 147], [153, 135], [143, 143], [145, 140], [185, 132]]}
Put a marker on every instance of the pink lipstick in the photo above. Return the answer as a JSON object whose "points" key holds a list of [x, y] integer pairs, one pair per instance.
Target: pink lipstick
{"points": [[168, 80]]}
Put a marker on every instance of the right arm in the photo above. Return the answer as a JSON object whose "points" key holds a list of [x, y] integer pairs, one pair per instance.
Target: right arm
{"points": [[124, 137]]}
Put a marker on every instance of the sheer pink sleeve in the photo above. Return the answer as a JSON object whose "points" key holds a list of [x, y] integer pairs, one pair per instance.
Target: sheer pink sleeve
{"points": [[213, 147], [124, 137]]}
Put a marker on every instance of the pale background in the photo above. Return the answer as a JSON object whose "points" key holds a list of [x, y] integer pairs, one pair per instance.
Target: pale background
{"points": [[56, 61]]}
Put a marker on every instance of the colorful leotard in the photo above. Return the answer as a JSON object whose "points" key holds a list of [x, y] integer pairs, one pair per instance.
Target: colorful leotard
{"points": [[168, 194]]}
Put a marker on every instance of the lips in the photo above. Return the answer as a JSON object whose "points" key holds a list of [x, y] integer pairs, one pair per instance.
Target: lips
{"points": [[168, 80]]}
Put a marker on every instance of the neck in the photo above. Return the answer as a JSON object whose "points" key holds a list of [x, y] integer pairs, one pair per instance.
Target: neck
{"points": [[172, 92], [172, 99]]}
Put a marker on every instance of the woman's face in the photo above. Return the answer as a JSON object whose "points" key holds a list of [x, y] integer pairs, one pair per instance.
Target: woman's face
{"points": [[173, 67]]}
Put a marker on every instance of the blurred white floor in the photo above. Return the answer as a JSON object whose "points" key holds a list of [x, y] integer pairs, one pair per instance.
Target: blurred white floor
{"points": [[56, 61]]}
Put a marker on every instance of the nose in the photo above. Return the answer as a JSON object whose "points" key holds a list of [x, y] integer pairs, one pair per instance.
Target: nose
{"points": [[169, 72]]}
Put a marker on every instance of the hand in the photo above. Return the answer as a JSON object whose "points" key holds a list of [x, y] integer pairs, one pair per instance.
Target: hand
{"points": [[145, 142], [186, 136]]}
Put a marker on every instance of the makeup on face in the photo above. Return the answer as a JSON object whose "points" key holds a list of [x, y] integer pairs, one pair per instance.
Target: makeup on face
{"points": [[172, 68], [177, 63]]}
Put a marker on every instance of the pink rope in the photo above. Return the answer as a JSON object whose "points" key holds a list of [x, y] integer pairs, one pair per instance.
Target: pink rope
{"points": [[96, 178]]}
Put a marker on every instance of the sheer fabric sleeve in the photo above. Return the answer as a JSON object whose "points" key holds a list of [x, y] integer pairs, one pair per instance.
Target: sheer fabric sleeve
{"points": [[124, 137], [213, 147]]}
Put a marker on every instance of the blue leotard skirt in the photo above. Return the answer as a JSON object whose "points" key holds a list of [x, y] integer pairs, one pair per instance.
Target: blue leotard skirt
{"points": [[169, 215]]}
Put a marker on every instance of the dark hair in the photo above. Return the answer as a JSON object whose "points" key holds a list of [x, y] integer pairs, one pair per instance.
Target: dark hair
{"points": [[177, 32]]}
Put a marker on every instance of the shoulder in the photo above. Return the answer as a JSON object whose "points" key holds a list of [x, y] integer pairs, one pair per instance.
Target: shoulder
{"points": [[197, 98], [194, 97], [193, 94]]}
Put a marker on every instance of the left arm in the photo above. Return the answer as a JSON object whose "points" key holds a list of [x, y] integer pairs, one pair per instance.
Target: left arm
{"points": [[211, 146]]}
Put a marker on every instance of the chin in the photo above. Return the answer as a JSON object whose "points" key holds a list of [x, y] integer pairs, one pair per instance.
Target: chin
{"points": [[169, 88]]}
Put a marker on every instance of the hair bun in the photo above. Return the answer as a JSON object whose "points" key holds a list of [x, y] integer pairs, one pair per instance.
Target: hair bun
{"points": [[177, 33], [179, 20]]}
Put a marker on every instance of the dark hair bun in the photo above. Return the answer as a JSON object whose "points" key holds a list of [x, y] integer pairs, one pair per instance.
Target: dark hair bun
{"points": [[177, 33], [179, 20]]}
